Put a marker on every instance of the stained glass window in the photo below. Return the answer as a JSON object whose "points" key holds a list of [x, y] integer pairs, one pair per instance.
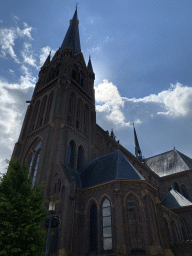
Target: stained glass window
{"points": [[35, 169], [107, 231]]}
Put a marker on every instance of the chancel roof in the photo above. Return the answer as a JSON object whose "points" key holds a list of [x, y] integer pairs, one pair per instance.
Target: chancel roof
{"points": [[109, 167], [174, 199], [169, 163]]}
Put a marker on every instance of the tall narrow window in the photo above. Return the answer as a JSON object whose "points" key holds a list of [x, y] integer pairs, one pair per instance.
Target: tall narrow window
{"points": [[93, 228], [48, 108], [80, 158], [33, 160], [35, 169], [107, 231], [134, 223], [71, 154], [41, 112], [184, 191], [176, 187], [30, 162], [35, 112]]}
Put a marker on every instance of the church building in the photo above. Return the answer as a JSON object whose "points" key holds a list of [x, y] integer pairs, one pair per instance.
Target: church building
{"points": [[111, 201]]}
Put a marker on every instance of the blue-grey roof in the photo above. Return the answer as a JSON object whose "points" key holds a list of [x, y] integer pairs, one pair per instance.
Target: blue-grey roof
{"points": [[174, 199], [109, 167], [169, 162], [69, 173], [72, 38]]}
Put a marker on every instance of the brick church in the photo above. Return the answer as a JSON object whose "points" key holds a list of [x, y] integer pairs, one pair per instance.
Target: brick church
{"points": [[112, 202]]}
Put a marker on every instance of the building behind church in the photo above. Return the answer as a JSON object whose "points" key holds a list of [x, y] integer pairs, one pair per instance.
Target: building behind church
{"points": [[112, 202]]}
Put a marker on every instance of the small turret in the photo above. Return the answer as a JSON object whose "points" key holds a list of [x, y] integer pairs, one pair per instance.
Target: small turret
{"points": [[138, 152], [89, 65]]}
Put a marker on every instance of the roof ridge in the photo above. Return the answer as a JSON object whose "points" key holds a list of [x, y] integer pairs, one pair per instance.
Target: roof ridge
{"points": [[160, 154]]}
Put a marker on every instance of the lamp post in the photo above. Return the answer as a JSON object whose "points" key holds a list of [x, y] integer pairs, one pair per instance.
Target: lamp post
{"points": [[52, 203]]}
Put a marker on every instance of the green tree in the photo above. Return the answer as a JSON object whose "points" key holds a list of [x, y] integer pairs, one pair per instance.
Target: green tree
{"points": [[21, 212]]}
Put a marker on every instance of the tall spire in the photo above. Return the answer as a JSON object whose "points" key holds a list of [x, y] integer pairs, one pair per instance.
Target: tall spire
{"points": [[138, 152], [47, 61], [89, 65], [72, 38]]}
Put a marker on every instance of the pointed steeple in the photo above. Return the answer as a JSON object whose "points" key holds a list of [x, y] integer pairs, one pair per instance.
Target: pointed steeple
{"points": [[89, 65], [72, 38], [138, 152], [47, 61]]}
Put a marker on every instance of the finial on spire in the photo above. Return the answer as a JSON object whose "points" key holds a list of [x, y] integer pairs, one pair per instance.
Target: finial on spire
{"points": [[76, 5]]}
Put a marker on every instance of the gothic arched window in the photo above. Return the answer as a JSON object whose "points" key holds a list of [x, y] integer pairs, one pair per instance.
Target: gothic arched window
{"points": [[134, 223], [36, 167], [71, 154], [33, 160], [107, 231], [176, 186], [184, 191], [35, 111], [48, 108], [93, 228], [80, 158], [41, 112]]}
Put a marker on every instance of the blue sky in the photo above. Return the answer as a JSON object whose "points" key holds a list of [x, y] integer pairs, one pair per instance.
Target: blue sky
{"points": [[142, 58]]}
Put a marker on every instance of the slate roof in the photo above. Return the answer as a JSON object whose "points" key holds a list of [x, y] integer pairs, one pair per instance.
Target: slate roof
{"points": [[72, 38], [174, 199], [109, 167], [69, 172], [169, 162]]}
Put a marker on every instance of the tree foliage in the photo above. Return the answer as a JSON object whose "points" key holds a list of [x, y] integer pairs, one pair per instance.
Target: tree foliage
{"points": [[21, 212]]}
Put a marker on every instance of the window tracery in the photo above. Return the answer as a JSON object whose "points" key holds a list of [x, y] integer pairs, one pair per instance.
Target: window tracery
{"points": [[107, 229], [33, 160]]}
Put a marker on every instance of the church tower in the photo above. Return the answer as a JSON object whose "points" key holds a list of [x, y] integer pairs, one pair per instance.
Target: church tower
{"points": [[61, 115]]}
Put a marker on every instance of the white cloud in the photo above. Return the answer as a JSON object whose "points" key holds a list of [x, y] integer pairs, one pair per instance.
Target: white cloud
{"points": [[95, 49], [27, 55], [44, 53], [107, 93], [8, 37], [10, 70], [1, 21], [176, 101], [12, 110]]}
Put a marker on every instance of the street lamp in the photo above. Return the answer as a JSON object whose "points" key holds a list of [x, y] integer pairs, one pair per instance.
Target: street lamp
{"points": [[52, 202]]}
